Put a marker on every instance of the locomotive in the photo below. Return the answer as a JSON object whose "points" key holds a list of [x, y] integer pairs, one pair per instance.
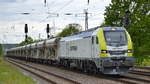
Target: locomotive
{"points": [[102, 49]]}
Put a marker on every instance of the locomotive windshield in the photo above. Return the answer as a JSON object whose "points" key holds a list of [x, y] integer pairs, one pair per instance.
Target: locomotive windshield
{"points": [[115, 38]]}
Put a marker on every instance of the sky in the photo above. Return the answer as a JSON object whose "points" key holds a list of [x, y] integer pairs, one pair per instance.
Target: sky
{"points": [[12, 19]]}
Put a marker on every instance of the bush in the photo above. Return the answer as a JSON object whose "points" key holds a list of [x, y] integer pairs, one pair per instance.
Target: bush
{"points": [[1, 53], [1, 50]]}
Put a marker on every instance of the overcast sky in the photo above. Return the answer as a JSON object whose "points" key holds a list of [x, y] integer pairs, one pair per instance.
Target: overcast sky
{"points": [[12, 20]]}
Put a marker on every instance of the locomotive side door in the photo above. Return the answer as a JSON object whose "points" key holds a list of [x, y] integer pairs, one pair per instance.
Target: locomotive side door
{"points": [[95, 47], [67, 49], [92, 47]]}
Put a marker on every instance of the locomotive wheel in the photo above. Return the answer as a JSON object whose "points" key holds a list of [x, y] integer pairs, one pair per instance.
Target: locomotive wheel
{"points": [[84, 67]]}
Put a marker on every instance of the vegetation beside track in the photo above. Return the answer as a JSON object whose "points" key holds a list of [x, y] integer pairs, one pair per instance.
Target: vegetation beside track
{"points": [[11, 75]]}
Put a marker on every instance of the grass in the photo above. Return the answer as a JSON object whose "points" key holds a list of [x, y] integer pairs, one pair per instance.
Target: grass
{"points": [[142, 60], [11, 75], [145, 62]]}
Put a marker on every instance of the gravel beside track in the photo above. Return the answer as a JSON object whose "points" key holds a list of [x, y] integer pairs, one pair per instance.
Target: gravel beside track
{"points": [[90, 78]]}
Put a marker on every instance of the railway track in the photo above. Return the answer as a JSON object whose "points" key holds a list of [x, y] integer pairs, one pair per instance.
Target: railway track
{"points": [[140, 73], [133, 77], [145, 71], [127, 78], [146, 68], [47, 76], [142, 69], [77, 77]]}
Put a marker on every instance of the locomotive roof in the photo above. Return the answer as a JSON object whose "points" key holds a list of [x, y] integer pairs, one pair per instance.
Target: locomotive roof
{"points": [[113, 28], [89, 33], [78, 36]]}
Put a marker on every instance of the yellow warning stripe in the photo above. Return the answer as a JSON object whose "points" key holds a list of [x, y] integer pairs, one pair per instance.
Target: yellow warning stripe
{"points": [[102, 42], [130, 47]]}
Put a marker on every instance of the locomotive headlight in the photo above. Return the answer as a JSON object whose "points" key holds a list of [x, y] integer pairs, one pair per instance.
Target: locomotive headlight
{"points": [[130, 51], [104, 51]]}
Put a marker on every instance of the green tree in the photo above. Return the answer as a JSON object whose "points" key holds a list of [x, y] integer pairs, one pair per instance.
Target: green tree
{"points": [[28, 41], [70, 29], [1, 49], [138, 26], [1, 52]]}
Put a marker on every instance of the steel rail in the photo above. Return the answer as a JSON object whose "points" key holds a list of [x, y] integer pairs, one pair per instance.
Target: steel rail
{"points": [[34, 73], [17, 63], [148, 68]]}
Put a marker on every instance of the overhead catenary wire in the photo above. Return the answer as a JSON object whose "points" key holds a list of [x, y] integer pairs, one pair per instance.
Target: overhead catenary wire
{"points": [[50, 14], [61, 8], [70, 15]]}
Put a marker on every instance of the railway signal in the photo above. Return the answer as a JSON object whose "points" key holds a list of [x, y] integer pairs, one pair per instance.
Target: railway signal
{"points": [[47, 30], [26, 31], [126, 20]]}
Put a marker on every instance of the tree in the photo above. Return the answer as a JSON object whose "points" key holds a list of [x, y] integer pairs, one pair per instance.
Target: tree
{"points": [[28, 41], [138, 26], [1, 49], [69, 29]]}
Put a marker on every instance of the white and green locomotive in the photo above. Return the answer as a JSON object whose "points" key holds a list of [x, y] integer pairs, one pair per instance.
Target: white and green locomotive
{"points": [[108, 50]]}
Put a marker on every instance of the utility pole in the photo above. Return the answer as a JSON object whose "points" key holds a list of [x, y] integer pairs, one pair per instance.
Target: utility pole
{"points": [[54, 27], [26, 31], [88, 2], [45, 3], [86, 19], [39, 36], [86, 16]]}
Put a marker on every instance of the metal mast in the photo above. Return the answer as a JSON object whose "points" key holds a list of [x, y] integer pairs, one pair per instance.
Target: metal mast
{"points": [[86, 19]]}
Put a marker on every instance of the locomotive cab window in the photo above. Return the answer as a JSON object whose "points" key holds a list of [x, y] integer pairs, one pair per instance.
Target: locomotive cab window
{"points": [[115, 38]]}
